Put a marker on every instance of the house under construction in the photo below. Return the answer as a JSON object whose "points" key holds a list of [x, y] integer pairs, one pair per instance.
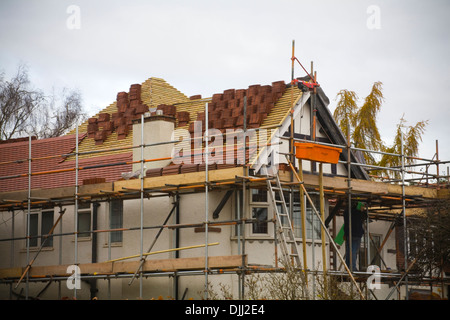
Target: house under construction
{"points": [[164, 195]]}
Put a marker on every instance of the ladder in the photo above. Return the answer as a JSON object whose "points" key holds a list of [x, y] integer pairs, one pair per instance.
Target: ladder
{"points": [[290, 249]]}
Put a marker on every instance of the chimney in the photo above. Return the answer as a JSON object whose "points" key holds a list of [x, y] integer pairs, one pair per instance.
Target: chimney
{"points": [[157, 128]]}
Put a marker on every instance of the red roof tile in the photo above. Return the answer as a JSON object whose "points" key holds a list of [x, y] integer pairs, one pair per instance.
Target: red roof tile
{"points": [[13, 161]]}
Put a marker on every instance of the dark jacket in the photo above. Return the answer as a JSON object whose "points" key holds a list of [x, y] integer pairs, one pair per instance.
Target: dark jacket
{"points": [[358, 218]]}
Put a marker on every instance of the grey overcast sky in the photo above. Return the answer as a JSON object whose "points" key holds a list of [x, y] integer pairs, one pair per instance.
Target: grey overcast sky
{"points": [[205, 47]]}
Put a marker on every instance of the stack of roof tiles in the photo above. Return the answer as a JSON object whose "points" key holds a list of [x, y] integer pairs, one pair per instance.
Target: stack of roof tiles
{"points": [[226, 110], [129, 107]]}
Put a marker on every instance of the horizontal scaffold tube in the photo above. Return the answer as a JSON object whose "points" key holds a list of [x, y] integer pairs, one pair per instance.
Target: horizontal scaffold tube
{"points": [[167, 226], [162, 251]]}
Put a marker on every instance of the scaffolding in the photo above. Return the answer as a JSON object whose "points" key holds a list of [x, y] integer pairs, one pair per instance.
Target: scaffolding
{"points": [[240, 177]]}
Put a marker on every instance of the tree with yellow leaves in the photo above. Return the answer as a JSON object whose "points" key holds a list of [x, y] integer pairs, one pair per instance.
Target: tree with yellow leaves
{"points": [[364, 133]]}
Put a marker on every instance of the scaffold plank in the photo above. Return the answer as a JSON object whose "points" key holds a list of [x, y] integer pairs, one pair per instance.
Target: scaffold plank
{"points": [[108, 268]]}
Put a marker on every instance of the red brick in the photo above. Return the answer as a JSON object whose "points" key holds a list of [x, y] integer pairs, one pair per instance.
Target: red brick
{"points": [[142, 108], [229, 122], [120, 122], [186, 168], [228, 94], [183, 116], [122, 95], [122, 130], [100, 135], [171, 169], [102, 117], [92, 120], [240, 94], [217, 124], [156, 172], [216, 97], [92, 127]]}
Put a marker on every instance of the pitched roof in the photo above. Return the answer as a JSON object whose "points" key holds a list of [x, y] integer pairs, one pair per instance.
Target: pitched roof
{"points": [[50, 155], [334, 133], [112, 127], [111, 130]]}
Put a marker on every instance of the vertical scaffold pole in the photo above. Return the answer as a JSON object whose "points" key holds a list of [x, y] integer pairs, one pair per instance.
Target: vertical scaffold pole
{"points": [[76, 212], [141, 246], [323, 236], [60, 253], [405, 231], [206, 153], [244, 201], [28, 213], [349, 185]]}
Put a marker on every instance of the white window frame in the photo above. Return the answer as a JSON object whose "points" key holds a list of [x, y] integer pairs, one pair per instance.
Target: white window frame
{"points": [[259, 204], [39, 214], [115, 243], [88, 236]]}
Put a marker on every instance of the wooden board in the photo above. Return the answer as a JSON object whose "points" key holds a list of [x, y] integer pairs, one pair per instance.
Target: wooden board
{"points": [[363, 186], [196, 263], [177, 179]]}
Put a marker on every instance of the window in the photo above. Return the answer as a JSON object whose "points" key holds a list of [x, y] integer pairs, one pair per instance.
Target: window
{"points": [[374, 258], [116, 219], [260, 214], [259, 195], [46, 226], [34, 229], [40, 224], [310, 217], [259, 211], [84, 220]]}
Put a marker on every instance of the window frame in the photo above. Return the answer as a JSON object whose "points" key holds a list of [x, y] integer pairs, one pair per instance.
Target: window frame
{"points": [[84, 235], [110, 221], [362, 254], [39, 235], [258, 202], [259, 224], [312, 222], [258, 205]]}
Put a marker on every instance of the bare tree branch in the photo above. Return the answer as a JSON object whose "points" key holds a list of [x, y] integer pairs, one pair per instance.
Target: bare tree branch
{"points": [[18, 104], [27, 111]]}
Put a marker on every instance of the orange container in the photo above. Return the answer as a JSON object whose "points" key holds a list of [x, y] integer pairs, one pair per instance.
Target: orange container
{"points": [[317, 152]]}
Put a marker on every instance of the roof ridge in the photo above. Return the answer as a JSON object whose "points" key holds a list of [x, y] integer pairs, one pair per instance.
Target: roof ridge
{"points": [[111, 108]]}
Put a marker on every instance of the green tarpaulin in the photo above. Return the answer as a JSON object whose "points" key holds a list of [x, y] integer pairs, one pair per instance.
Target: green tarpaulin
{"points": [[340, 237]]}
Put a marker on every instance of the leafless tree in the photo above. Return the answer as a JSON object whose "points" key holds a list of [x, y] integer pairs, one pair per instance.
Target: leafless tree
{"points": [[429, 235], [28, 111]]}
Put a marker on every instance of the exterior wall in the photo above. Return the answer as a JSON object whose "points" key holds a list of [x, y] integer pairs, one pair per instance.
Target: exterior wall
{"points": [[260, 248], [154, 131]]}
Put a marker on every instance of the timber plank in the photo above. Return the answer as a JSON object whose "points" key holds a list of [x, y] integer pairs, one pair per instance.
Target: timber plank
{"points": [[176, 179], [364, 186], [195, 263]]}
